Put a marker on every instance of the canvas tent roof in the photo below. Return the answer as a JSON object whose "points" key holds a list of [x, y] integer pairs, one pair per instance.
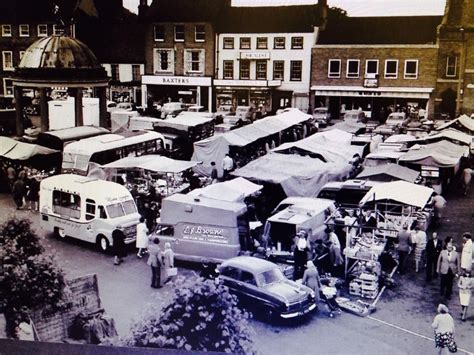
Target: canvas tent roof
{"points": [[350, 127], [298, 175], [441, 154], [15, 150], [450, 134], [399, 191], [232, 190], [389, 170], [181, 121], [154, 163], [464, 121]]}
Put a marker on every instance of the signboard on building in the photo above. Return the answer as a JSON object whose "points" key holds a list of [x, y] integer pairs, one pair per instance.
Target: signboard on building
{"points": [[254, 55], [176, 80], [371, 82]]}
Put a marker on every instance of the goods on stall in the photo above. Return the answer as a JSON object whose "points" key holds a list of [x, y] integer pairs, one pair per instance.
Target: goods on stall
{"points": [[358, 307]]}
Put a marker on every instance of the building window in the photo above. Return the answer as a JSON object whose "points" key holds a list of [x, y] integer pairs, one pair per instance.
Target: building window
{"points": [[8, 87], [194, 61], [179, 33], [159, 31], [164, 60], [411, 69], [228, 69], [296, 67], [136, 74], [279, 43], [391, 69], [7, 57], [245, 43], [199, 33], [296, 42], [6, 30], [262, 43], [352, 70], [451, 66], [42, 30], [278, 70], [57, 30], [114, 72], [371, 67], [228, 43], [334, 68], [244, 69], [261, 70], [67, 204], [24, 30]]}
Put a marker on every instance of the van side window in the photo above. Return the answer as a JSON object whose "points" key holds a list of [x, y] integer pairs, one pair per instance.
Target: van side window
{"points": [[165, 230], [102, 213], [90, 209], [67, 204]]}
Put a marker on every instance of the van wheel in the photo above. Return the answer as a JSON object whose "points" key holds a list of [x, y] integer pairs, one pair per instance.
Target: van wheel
{"points": [[103, 243], [59, 233]]}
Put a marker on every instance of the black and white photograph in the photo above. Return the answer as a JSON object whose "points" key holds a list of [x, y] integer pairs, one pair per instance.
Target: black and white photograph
{"points": [[236, 176]]}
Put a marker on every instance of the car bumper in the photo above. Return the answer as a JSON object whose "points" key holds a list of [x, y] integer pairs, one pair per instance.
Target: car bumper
{"points": [[299, 313]]}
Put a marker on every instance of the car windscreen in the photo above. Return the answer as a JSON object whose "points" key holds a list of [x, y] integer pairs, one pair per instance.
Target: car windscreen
{"points": [[270, 276], [115, 210]]}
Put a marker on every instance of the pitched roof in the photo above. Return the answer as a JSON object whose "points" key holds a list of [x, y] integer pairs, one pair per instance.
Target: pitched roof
{"points": [[381, 30]]}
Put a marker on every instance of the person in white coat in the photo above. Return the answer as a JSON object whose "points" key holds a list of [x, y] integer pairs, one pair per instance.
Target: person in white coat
{"points": [[466, 254], [142, 237]]}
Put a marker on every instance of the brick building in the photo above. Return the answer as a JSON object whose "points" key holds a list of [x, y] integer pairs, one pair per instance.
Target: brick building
{"points": [[358, 64], [455, 72]]}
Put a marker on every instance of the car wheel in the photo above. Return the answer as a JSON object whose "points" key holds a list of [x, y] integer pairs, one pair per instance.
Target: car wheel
{"points": [[102, 243], [59, 233]]}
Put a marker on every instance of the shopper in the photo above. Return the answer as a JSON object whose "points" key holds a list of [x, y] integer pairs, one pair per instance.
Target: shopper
{"points": [[439, 204], [312, 280], [168, 263], [465, 284], [227, 166], [433, 249], [213, 173], [466, 179], [419, 239], [142, 237], [467, 250], [155, 260], [118, 246], [300, 254], [447, 267], [33, 194], [443, 325], [11, 176], [18, 192], [403, 248]]}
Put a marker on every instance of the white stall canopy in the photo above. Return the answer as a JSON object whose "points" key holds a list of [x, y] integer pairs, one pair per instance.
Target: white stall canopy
{"points": [[235, 190], [399, 191]]}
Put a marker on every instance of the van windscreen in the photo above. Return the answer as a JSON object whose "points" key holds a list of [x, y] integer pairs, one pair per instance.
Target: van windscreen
{"points": [[121, 209]]}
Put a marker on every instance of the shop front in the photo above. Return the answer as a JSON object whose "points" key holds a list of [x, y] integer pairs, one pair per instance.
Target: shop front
{"points": [[124, 93], [378, 101], [256, 93], [186, 89]]}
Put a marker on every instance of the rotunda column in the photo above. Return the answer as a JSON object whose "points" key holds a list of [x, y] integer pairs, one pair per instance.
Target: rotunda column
{"points": [[78, 107]]}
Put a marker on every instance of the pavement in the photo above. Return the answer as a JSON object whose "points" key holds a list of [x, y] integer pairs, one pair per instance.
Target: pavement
{"points": [[400, 325]]}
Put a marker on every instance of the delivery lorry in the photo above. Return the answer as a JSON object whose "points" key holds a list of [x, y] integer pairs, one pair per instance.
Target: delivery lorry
{"points": [[87, 209], [202, 228]]}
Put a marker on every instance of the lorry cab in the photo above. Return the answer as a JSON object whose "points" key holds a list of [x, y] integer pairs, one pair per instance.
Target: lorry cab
{"points": [[203, 228], [87, 209]]}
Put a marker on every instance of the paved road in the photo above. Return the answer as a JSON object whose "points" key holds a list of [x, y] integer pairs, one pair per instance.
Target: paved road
{"points": [[401, 324]]}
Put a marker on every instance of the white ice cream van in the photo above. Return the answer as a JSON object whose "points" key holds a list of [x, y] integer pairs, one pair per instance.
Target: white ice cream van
{"points": [[88, 209]]}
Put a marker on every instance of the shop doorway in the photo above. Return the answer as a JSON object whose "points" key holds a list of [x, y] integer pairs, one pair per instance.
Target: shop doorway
{"points": [[448, 102]]}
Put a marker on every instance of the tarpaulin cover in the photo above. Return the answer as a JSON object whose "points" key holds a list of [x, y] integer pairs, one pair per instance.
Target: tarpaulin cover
{"points": [[214, 149], [350, 127], [233, 190], [15, 150], [443, 154], [450, 134], [401, 138], [182, 122], [298, 175], [399, 191], [389, 171], [154, 163], [464, 120]]}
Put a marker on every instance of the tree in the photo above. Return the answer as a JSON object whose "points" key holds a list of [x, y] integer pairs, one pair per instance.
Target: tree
{"points": [[29, 278], [201, 316]]}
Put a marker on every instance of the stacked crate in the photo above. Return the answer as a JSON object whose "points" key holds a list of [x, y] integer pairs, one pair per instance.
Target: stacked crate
{"points": [[366, 285]]}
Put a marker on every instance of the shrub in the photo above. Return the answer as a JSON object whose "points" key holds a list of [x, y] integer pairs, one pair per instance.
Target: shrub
{"points": [[201, 316], [29, 279]]}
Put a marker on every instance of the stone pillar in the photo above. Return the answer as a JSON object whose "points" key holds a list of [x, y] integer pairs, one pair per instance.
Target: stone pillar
{"points": [[209, 98], [44, 111], [78, 112], [198, 95], [102, 107], [19, 111]]}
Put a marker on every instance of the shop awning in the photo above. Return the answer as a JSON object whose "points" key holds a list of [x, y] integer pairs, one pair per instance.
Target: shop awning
{"points": [[233, 190], [443, 154], [389, 172], [15, 150], [399, 191], [154, 163], [360, 91]]}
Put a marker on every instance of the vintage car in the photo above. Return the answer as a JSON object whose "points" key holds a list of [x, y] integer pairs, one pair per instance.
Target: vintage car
{"points": [[355, 116], [322, 115], [243, 115], [260, 284], [393, 125]]}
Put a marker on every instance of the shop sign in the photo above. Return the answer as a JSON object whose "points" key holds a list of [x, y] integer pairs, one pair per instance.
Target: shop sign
{"points": [[254, 55], [256, 83], [205, 234], [176, 80], [371, 82]]}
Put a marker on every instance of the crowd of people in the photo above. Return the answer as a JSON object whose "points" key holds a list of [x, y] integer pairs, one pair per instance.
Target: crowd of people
{"points": [[24, 189]]}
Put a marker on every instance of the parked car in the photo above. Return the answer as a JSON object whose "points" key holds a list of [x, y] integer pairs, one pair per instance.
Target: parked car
{"points": [[393, 125], [172, 108], [243, 115], [322, 115], [260, 284], [355, 116]]}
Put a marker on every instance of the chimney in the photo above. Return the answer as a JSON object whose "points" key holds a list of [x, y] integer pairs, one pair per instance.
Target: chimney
{"points": [[142, 9]]}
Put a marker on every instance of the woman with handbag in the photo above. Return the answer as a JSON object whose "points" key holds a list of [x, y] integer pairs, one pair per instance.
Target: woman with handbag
{"points": [[443, 325], [155, 257], [168, 263]]}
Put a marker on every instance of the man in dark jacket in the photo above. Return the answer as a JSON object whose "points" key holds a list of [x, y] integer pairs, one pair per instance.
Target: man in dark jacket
{"points": [[403, 248], [433, 248], [118, 246]]}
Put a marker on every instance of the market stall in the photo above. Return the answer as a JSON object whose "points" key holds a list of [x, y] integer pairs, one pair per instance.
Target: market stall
{"points": [[235, 190], [388, 172]]}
